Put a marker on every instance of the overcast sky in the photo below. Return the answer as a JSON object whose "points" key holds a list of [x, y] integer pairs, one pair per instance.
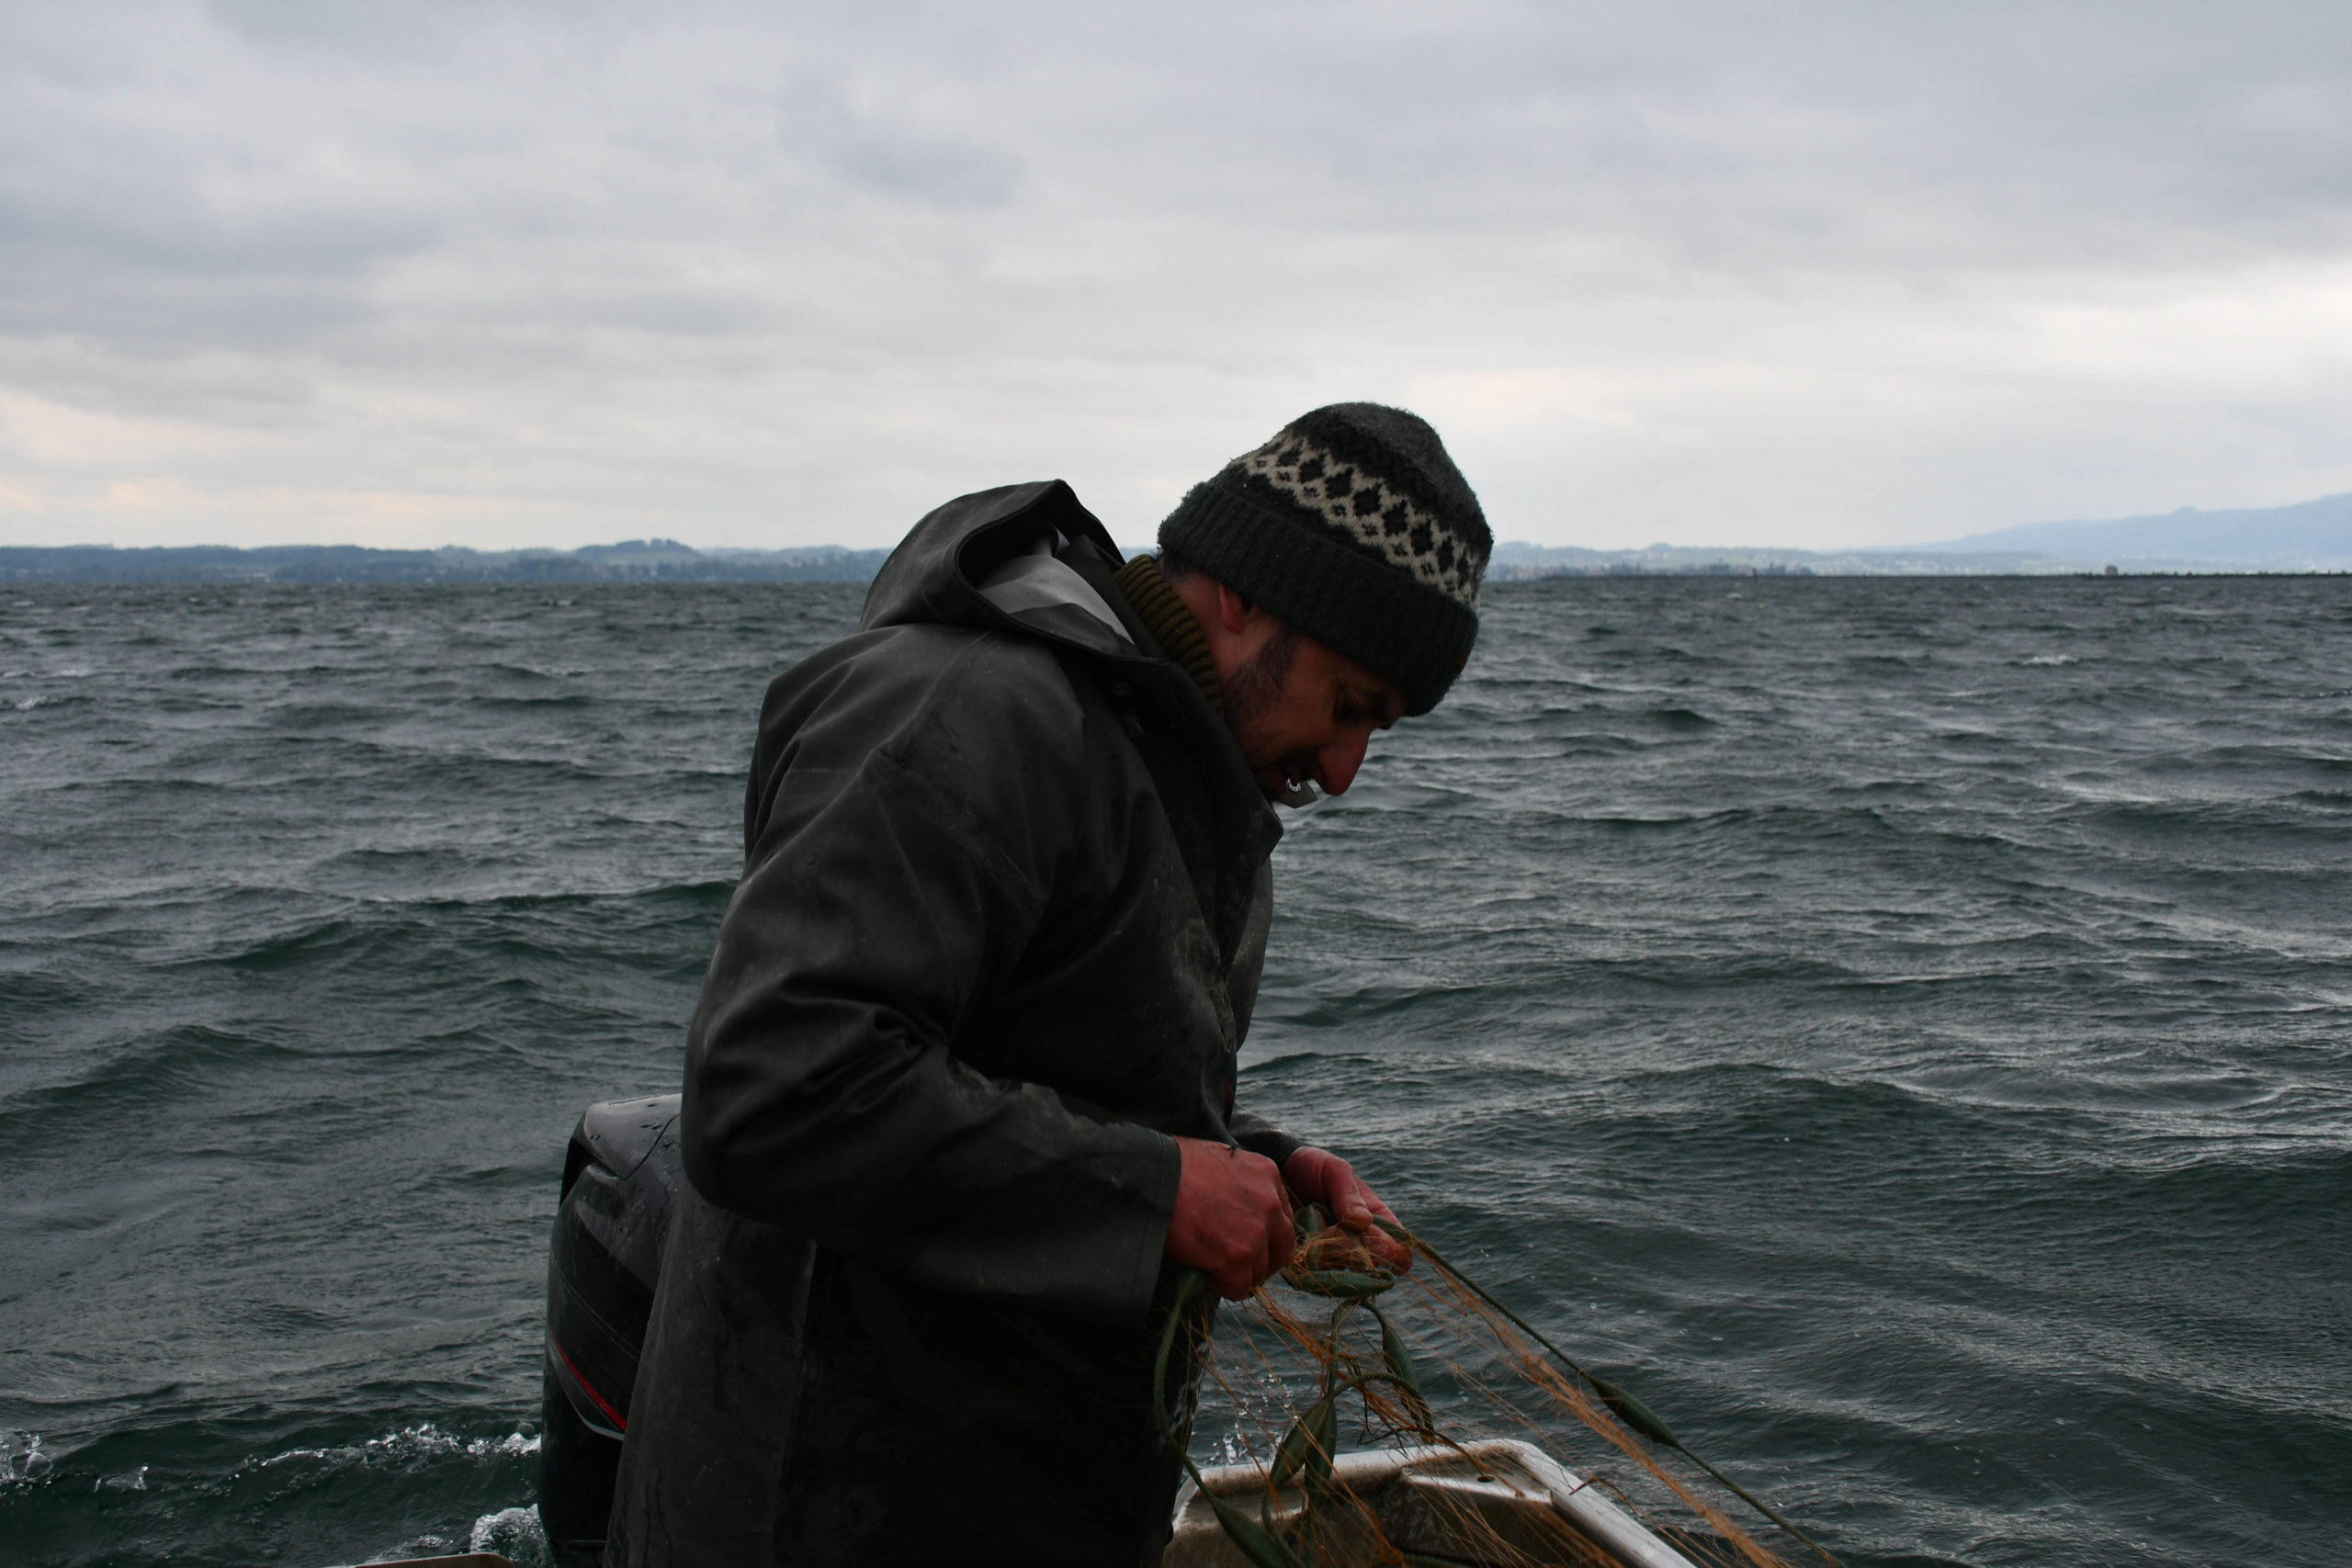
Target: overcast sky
{"points": [[500, 274]]}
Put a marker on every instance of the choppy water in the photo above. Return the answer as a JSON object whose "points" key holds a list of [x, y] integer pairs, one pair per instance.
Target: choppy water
{"points": [[1899, 1027]]}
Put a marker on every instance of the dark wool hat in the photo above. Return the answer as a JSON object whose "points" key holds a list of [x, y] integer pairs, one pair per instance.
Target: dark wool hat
{"points": [[1354, 525]]}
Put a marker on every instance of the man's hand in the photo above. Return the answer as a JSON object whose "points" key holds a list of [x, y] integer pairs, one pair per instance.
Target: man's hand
{"points": [[1232, 1218], [1318, 1176]]}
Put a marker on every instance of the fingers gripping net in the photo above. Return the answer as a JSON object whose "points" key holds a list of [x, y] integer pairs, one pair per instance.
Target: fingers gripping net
{"points": [[1341, 1357]]}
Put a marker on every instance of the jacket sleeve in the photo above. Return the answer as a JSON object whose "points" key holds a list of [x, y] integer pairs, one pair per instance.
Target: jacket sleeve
{"points": [[1260, 1137], [908, 816]]}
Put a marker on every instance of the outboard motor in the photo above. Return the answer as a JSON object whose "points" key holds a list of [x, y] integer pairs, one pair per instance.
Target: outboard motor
{"points": [[620, 1183]]}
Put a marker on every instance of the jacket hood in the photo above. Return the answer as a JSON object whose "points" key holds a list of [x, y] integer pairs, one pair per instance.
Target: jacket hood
{"points": [[952, 569], [935, 577]]}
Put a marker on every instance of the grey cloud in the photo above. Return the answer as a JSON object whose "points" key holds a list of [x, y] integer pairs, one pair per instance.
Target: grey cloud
{"points": [[150, 221], [873, 148], [431, 30], [1653, 265]]}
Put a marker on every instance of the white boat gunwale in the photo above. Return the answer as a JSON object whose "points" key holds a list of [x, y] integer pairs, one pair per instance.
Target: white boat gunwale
{"points": [[1199, 1540]]}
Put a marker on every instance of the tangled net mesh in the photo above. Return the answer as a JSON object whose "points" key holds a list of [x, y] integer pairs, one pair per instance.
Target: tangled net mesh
{"points": [[1340, 1356]]}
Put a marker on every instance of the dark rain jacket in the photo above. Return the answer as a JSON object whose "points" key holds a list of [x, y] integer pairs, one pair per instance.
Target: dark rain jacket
{"points": [[998, 938]]}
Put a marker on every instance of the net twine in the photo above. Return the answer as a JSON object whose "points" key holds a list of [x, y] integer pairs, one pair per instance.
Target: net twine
{"points": [[1334, 1265]]}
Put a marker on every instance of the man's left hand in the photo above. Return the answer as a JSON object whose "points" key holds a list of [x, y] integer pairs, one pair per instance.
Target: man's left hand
{"points": [[1318, 1176]]}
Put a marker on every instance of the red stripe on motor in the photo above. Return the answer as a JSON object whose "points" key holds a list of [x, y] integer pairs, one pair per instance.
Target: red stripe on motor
{"points": [[620, 1422]]}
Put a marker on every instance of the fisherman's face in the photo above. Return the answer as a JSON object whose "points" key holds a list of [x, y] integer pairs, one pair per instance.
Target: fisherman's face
{"points": [[1303, 712]]}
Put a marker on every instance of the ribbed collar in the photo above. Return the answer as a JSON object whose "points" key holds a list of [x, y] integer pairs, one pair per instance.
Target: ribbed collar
{"points": [[1172, 624]]}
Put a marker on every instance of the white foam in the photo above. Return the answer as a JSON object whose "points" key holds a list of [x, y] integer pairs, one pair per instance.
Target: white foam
{"points": [[21, 1461], [128, 1481], [516, 1533], [423, 1441]]}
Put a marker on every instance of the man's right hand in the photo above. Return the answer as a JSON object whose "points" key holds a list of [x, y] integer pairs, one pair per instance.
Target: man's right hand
{"points": [[1232, 1218]]}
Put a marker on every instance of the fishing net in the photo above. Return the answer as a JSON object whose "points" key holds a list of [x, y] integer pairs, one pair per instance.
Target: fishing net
{"points": [[1353, 1415]]}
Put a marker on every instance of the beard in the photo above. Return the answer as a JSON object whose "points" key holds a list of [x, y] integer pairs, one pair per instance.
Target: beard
{"points": [[1252, 693]]}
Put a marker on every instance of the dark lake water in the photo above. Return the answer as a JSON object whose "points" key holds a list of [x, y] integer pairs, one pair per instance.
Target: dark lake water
{"points": [[1903, 1028]]}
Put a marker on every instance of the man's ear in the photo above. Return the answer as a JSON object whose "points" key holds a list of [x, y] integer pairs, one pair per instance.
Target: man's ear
{"points": [[1232, 609]]}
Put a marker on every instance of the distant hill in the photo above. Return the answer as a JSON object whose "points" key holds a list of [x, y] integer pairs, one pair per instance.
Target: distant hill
{"points": [[1518, 561], [2316, 536], [638, 560], [2312, 535]]}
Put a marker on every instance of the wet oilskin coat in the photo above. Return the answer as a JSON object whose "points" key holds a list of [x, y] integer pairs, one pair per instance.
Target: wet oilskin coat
{"points": [[998, 938]]}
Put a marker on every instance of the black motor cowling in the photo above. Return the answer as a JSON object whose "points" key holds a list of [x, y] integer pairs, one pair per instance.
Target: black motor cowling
{"points": [[620, 1183]]}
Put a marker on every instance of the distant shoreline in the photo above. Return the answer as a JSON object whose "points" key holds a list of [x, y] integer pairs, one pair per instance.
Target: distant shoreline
{"points": [[664, 561], [636, 561]]}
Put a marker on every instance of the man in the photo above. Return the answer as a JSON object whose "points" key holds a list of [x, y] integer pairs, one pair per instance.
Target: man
{"points": [[959, 1097]]}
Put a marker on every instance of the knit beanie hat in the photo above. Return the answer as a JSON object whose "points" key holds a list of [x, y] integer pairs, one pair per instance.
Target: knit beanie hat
{"points": [[1354, 526]]}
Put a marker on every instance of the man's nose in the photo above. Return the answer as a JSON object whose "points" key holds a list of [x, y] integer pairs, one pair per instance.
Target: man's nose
{"points": [[1336, 764]]}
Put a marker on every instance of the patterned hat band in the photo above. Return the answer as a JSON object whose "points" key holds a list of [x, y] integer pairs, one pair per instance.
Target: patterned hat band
{"points": [[1354, 525], [1358, 505]]}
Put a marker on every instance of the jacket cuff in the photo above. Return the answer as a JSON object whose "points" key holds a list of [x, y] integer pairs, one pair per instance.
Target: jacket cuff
{"points": [[1151, 1252], [1262, 1138]]}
